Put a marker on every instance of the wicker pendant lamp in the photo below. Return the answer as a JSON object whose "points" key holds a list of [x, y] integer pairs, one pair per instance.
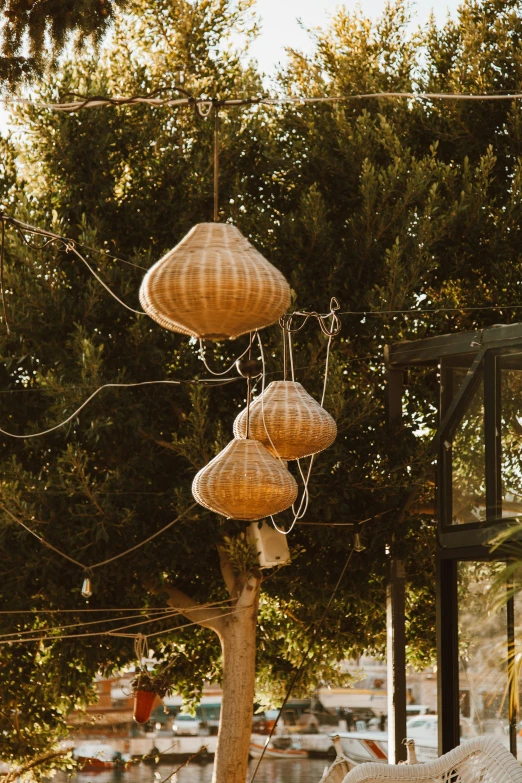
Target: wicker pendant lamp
{"points": [[244, 481], [214, 285], [297, 424]]}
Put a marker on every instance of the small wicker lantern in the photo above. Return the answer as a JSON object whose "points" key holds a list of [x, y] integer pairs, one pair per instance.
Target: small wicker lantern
{"points": [[244, 481], [297, 424], [214, 285]]}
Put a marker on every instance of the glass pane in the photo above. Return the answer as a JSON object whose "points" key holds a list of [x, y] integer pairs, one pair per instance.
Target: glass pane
{"points": [[511, 395], [482, 655], [468, 464]]}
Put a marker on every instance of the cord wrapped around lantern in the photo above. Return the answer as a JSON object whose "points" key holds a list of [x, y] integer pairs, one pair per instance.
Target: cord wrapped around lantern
{"points": [[298, 426], [214, 285], [244, 481]]}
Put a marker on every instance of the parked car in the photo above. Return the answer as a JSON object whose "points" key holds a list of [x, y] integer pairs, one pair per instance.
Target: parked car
{"points": [[185, 724]]}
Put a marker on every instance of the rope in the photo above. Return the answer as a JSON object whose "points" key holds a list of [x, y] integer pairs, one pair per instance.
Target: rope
{"points": [[103, 562], [204, 105], [202, 355], [140, 647], [216, 163], [330, 331]]}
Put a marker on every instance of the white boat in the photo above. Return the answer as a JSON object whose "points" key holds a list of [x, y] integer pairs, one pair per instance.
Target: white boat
{"points": [[279, 748], [363, 746]]}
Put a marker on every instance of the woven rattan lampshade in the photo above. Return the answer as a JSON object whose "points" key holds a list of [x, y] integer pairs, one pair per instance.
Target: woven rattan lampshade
{"points": [[297, 424], [244, 481], [214, 285]]}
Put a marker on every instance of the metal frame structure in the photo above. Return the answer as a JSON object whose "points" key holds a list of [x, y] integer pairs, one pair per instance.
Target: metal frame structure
{"points": [[478, 354]]}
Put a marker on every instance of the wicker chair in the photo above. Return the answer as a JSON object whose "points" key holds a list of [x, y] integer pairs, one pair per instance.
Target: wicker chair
{"points": [[341, 766], [479, 760]]}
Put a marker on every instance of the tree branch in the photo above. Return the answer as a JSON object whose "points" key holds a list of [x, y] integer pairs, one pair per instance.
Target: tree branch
{"points": [[249, 595], [227, 573], [13, 774], [207, 617]]}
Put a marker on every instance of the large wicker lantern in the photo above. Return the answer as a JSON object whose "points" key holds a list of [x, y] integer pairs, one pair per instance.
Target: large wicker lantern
{"points": [[298, 426], [214, 285], [244, 481]]}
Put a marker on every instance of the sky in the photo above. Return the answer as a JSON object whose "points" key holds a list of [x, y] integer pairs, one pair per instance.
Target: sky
{"points": [[280, 28]]}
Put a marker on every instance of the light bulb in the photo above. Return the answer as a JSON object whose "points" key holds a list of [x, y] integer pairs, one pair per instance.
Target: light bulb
{"points": [[86, 588], [357, 544]]}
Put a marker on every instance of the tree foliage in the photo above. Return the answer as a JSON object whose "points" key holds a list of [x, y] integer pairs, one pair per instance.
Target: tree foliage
{"points": [[35, 32], [387, 205]]}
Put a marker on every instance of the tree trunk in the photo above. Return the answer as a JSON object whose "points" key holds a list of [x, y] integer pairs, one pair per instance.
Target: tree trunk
{"points": [[236, 628], [238, 642]]}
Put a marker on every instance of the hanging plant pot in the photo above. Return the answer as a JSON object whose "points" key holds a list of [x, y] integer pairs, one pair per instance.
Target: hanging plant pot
{"points": [[298, 426], [143, 705], [244, 481], [214, 285]]}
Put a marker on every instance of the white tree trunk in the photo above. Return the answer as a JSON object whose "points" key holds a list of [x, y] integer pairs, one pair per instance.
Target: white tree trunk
{"points": [[238, 641], [236, 628]]}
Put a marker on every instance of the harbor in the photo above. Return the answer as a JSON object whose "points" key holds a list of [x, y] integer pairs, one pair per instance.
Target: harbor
{"points": [[271, 771]]}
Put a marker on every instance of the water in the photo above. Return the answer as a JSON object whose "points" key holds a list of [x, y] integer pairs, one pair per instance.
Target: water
{"points": [[270, 771]]}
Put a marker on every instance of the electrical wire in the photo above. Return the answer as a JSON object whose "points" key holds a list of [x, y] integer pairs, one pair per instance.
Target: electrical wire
{"points": [[69, 245], [82, 610], [166, 614], [103, 562], [109, 632], [116, 633], [415, 311], [160, 614], [32, 229], [95, 393]]}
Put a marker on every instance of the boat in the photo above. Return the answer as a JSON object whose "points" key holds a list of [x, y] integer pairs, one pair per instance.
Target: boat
{"points": [[279, 748], [363, 746], [98, 756]]}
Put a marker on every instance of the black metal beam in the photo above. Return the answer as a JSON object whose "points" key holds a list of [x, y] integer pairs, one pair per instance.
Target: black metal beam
{"points": [[444, 464], [458, 404], [447, 655], [431, 349], [492, 436]]}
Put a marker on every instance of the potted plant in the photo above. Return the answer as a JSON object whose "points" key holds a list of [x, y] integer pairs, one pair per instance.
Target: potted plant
{"points": [[149, 686]]}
